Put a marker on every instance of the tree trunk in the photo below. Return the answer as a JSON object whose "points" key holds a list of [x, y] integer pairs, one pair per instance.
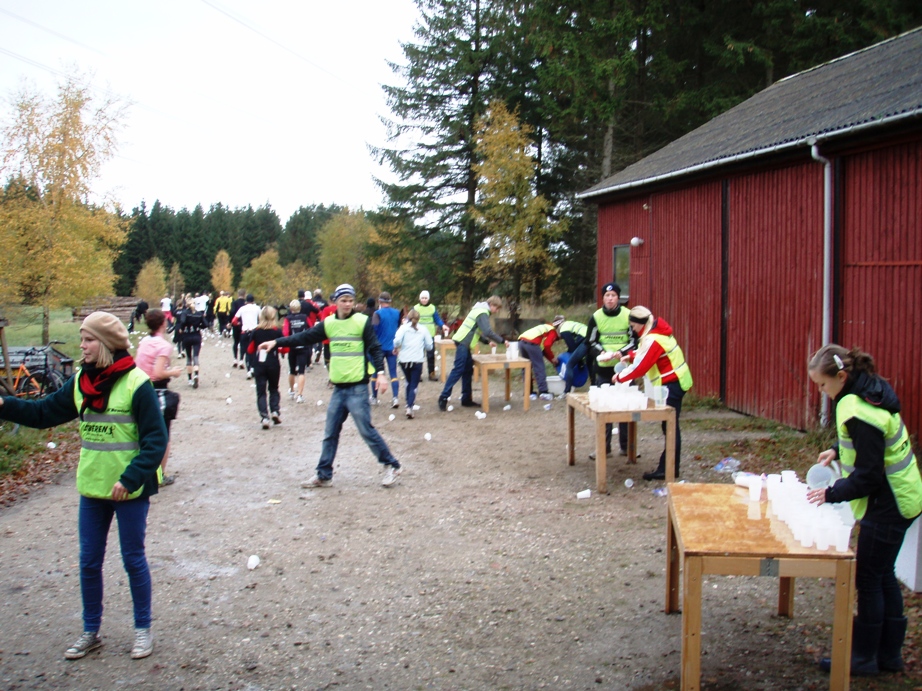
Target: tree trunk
{"points": [[46, 323]]}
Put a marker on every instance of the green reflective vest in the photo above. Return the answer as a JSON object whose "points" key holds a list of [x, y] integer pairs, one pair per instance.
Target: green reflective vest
{"points": [[614, 333], [900, 465], [536, 331], [108, 440], [676, 358], [347, 349], [427, 317], [470, 323], [575, 327]]}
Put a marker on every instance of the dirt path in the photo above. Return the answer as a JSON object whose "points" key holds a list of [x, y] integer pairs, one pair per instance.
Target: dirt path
{"points": [[479, 570]]}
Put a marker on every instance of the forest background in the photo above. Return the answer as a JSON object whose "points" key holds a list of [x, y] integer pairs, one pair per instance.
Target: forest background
{"points": [[500, 113]]}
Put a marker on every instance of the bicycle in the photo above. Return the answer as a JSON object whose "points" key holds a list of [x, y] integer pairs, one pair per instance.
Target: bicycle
{"points": [[38, 382]]}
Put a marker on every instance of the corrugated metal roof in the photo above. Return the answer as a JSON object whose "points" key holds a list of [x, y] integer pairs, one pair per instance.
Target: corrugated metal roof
{"points": [[870, 88]]}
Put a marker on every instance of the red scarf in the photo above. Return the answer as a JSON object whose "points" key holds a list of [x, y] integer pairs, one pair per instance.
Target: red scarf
{"points": [[96, 384]]}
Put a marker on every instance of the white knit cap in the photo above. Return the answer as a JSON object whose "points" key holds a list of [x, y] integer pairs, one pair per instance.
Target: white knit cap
{"points": [[424, 295]]}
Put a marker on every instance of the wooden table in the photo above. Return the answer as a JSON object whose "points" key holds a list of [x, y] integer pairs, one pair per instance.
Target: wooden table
{"points": [[489, 363], [710, 532], [444, 345], [580, 402]]}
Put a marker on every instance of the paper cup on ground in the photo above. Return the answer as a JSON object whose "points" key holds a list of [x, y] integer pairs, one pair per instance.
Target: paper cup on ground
{"points": [[585, 494]]}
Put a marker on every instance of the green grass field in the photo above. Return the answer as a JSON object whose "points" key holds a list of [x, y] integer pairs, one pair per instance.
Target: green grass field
{"points": [[25, 328]]}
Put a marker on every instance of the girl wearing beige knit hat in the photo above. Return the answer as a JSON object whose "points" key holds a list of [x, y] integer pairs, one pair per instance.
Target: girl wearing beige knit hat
{"points": [[123, 441]]}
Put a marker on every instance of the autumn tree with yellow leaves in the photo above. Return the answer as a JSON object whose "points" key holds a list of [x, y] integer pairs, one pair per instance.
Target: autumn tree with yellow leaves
{"points": [[58, 248], [516, 220]]}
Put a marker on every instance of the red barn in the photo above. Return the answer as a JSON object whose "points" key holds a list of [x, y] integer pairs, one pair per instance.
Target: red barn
{"points": [[791, 220]]}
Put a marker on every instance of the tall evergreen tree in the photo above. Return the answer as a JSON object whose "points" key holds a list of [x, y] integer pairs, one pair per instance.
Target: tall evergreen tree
{"points": [[299, 238], [448, 79]]}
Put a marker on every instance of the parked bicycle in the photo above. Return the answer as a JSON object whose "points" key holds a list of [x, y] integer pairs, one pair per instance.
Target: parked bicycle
{"points": [[39, 381]]}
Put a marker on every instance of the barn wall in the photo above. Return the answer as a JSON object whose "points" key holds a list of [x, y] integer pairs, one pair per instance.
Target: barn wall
{"points": [[775, 291], [676, 271], [881, 267]]}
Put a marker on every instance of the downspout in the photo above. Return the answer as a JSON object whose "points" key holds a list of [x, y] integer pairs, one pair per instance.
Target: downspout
{"points": [[827, 260]]}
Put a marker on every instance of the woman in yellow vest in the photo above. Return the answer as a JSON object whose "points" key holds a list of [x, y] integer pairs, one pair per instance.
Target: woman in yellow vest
{"points": [[880, 479], [661, 360], [123, 439]]}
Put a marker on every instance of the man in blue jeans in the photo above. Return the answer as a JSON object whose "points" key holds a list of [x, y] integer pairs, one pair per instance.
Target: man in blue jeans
{"points": [[352, 343], [475, 325]]}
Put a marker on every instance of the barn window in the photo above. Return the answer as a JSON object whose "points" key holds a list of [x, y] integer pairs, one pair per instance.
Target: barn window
{"points": [[621, 269]]}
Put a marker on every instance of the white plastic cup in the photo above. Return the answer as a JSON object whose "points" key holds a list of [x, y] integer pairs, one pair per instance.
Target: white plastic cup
{"points": [[843, 533], [788, 476], [755, 488], [263, 354], [629, 483], [585, 494]]}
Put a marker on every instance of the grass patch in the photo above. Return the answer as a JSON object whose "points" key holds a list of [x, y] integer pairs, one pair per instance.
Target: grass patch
{"points": [[25, 328], [16, 449]]}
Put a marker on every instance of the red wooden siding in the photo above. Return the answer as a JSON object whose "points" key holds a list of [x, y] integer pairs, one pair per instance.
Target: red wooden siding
{"points": [[676, 271], [881, 272], [685, 258], [775, 291]]}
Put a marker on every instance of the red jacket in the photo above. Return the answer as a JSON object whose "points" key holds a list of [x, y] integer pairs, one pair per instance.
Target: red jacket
{"points": [[545, 341], [649, 353]]}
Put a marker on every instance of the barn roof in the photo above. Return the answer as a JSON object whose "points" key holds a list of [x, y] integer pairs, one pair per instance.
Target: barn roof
{"points": [[870, 88]]}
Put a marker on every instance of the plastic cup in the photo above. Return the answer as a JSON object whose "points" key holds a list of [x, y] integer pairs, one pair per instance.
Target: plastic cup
{"points": [[585, 494], [820, 476], [755, 488], [788, 476], [263, 354], [842, 535]]}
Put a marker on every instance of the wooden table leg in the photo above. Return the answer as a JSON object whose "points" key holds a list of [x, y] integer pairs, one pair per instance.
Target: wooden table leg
{"points": [[840, 674], [485, 386], [691, 624], [601, 471], [786, 597], [632, 442], [571, 435], [508, 383], [527, 400], [672, 567], [670, 449]]}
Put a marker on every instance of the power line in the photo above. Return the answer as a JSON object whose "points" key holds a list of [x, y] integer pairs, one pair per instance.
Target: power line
{"points": [[272, 40], [52, 32]]}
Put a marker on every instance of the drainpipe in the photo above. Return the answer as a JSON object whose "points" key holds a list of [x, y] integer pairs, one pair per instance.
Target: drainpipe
{"points": [[827, 259]]}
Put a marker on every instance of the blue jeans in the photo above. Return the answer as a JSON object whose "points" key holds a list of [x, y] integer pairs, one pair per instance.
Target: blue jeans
{"points": [[463, 369], [879, 595], [413, 371], [95, 517], [346, 400], [391, 361], [536, 355]]}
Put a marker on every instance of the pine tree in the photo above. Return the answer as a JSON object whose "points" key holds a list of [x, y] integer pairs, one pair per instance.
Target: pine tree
{"points": [[448, 77]]}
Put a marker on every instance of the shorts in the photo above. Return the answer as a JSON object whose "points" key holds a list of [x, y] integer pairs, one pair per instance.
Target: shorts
{"points": [[297, 360]]}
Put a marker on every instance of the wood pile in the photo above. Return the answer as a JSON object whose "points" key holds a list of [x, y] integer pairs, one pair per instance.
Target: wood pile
{"points": [[120, 307]]}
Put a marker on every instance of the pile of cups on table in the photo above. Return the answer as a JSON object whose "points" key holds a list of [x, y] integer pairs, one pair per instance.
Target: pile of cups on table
{"points": [[824, 527]]}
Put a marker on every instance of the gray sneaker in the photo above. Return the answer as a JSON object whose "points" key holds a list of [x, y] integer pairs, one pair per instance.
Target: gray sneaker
{"points": [[89, 640], [143, 644], [316, 482], [390, 475]]}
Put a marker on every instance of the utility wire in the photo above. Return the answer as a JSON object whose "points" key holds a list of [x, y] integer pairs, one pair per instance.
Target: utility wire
{"points": [[52, 32], [272, 40]]}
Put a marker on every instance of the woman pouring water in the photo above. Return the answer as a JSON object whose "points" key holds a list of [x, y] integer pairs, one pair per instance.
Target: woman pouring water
{"points": [[881, 481]]}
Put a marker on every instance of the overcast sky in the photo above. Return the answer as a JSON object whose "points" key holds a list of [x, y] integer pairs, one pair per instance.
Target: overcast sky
{"points": [[234, 102]]}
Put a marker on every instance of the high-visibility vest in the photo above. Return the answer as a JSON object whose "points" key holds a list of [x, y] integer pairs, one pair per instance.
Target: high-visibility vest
{"points": [[614, 333], [536, 331], [574, 327], [347, 348], [108, 440], [470, 323], [427, 317], [900, 465], [676, 358]]}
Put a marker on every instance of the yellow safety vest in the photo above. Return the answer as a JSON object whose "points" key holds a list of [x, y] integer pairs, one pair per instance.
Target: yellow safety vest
{"points": [[676, 358], [109, 441], [614, 333], [900, 465], [347, 348]]}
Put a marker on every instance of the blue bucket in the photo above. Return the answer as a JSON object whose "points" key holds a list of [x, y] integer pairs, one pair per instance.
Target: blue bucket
{"points": [[580, 373]]}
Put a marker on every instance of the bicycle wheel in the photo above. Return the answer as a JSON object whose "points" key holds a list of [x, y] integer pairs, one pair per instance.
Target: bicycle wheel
{"points": [[39, 384]]}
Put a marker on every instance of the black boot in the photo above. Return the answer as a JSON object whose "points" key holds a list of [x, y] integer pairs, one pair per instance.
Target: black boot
{"points": [[889, 652], [865, 643]]}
